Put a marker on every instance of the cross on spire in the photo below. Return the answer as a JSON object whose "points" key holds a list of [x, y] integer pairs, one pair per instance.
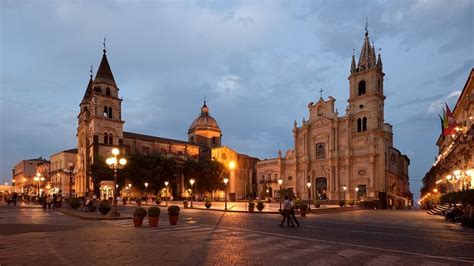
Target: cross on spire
{"points": [[321, 93], [91, 71], [105, 40]]}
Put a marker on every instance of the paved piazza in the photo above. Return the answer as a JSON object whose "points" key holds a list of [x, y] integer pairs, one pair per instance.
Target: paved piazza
{"points": [[34, 236]]}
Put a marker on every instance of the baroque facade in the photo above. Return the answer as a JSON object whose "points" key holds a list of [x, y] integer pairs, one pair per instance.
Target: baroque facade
{"points": [[345, 157], [453, 169]]}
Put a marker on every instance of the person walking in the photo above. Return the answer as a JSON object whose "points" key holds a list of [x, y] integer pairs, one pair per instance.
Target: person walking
{"points": [[14, 198], [55, 201], [292, 212], [286, 213]]}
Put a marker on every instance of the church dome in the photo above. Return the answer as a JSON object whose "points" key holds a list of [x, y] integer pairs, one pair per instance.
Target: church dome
{"points": [[204, 121]]}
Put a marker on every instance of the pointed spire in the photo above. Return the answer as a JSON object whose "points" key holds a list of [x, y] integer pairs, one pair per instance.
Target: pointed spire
{"points": [[88, 92], [367, 53], [379, 60], [104, 73], [353, 64]]}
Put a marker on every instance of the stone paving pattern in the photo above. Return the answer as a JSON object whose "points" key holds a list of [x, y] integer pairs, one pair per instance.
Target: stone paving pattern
{"points": [[364, 237]]}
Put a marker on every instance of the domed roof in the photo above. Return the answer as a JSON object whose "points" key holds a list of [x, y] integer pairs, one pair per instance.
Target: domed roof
{"points": [[204, 121]]}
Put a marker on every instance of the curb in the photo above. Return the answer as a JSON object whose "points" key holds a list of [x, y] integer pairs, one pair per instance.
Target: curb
{"points": [[93, 218]]}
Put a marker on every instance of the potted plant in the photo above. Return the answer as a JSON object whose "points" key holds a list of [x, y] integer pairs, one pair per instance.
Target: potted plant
{"points": [[303, 209], [260, 205], [138, 201], [251, 206], [138, 216], [352, 202], [104, 207], [173, 214], [342, 203], [124, 201], [74, 203], [185, 203], [158, 200], [208, 203], [153, 216], [317, 203]]}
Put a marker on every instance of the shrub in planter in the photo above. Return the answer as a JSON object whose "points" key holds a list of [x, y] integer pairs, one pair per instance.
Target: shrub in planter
{"points": [[251, 206], [317, 203], [138, 201], [185, 203], [74, 203], [173, 214], [104, 207], [352, 202], [260, 205], [158, 200], [153, 216], [342, 203], [138, 216], [303, 209], [208, 203]]}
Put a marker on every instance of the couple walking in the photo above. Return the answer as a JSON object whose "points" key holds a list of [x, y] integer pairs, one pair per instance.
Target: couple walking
{"points": [[288, 213]]}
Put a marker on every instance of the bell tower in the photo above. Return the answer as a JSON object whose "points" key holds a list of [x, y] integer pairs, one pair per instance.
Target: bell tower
{"points": [[100, 124], [366, 100]]}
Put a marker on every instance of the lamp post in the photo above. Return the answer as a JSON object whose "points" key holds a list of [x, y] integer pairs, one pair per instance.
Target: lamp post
{"points": [[280, 181], [226, 180], [38, 178], [115, 164], [129, 192], [232, 166], [70, 170], [191, 181], [146, 195], [166, 193], [309, 194], [357, 193]]}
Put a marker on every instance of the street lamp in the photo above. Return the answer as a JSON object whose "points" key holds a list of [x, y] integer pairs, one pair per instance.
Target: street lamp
{"points": [[115, 164], [191, 181], [357, 193], [129, 192], [38, 178], [166, 193], [226, 180], [146, 187], [71, 171], [344, 188], [280, 181]]}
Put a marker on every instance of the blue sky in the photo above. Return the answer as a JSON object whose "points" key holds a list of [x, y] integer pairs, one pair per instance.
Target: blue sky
{"points": [[258, 62]]}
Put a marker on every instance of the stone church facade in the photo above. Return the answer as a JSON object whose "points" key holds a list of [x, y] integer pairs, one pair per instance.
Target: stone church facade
{"points": [[101, 128], [344, 157]]}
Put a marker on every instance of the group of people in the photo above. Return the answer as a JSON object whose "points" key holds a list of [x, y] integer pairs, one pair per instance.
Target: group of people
{"points": [[49, 201], [288, 212], [11, 198]]}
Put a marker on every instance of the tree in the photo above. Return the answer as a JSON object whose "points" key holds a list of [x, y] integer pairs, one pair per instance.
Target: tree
{"points": [[100, 171], [208, 174]]}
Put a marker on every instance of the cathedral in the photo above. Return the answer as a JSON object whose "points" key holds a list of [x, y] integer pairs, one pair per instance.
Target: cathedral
{"points": [[347, 157], [101, 128]]}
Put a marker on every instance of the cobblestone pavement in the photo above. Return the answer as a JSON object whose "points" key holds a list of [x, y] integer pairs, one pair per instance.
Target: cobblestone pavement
{"points": [[35, 236]]}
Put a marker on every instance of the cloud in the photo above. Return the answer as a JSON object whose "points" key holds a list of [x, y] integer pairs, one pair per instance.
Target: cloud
{"points": [[438, 105], [227, 84]]}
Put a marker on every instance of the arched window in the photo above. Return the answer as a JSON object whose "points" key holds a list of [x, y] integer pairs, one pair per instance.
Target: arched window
{"points": [[106, 138], [364, 124], [106, 111], [110, 112], [362, 87], [359, 125], [213, 140], [107, 91], [111, 139]]}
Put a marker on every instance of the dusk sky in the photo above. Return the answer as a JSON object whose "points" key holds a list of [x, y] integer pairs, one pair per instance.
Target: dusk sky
{"points": [[259, 63]]}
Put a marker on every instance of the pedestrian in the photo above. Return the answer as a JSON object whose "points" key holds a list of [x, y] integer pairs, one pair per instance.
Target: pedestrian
{"points": [[14, 198], [286, 213], [292, 212], [55, 201], [49, 201]]}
